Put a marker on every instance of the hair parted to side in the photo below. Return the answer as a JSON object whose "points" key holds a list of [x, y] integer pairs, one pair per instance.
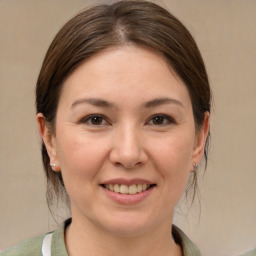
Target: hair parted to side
{"points": [[138, 23]]}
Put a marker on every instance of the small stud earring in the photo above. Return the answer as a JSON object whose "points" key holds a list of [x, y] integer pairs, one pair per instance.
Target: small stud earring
{"points": [[195, 166], [53, 165]]}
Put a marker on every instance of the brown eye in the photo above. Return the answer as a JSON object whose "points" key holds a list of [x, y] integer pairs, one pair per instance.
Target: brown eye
{"points": [[96, 120], [158, 120], [161, 119]]}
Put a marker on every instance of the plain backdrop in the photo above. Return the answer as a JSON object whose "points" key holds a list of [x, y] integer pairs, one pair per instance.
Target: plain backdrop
{"points": [[225, 33]]}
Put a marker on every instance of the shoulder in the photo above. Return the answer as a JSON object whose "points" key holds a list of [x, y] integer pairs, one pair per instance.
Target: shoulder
{"points": [[250, 253], [187, 246], [32, 246]]}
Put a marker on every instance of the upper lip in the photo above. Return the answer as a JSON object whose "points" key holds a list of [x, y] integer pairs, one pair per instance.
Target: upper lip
{"points": [[127, 182]]}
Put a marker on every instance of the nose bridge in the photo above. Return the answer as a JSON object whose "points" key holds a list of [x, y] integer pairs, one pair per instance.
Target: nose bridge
{"points": [[128, 149], [129, 140]]}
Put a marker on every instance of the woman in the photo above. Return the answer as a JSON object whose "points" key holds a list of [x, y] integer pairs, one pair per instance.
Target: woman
{"points": [[123, 103]]}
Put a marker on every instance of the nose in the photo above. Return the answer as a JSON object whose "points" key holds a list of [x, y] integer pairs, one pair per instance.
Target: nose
{"points": [[128, 149]]}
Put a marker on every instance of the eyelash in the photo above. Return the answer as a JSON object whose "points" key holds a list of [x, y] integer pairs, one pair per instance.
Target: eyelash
{"points": [[167, 119], [88, 119], [162, 117]]}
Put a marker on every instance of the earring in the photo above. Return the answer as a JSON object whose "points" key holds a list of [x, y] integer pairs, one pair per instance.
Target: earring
{"points": [[53, 165], [195, 166]]}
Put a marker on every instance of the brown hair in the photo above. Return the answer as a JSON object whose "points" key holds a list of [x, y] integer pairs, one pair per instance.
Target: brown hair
{"points": [[139, 23]]}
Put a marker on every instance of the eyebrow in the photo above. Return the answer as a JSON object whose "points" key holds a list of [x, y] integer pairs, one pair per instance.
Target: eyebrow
{"points": [[162, 101], [103, 103], [93, 101]]}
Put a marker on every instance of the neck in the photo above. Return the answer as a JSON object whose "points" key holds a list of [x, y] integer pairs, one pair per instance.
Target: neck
{"points": [[85, 238]]}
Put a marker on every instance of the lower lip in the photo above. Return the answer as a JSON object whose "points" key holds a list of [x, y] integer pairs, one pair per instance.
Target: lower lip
{"points": [[127, 198]]}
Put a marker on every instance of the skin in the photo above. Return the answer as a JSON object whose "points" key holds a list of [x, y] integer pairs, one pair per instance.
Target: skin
{"points": [[130, 141]]}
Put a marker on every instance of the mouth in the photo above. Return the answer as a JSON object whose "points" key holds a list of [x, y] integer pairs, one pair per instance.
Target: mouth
{"points": [[132, 189]]}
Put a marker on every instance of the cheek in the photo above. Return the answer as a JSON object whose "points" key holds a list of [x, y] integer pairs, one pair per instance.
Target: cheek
{"points": [[173, 158], [80, 158], [174, 152]]}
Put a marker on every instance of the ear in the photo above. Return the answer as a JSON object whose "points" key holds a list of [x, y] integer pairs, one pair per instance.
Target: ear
{"points": [[200, 141], [49, 140]]}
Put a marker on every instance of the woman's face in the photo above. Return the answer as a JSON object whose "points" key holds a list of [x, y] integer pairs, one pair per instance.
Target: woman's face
{"points": [[125, 122]]}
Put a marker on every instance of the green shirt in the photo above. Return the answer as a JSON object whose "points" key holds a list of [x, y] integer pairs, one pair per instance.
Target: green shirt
{"points": [[33, 246], [250, 253]]}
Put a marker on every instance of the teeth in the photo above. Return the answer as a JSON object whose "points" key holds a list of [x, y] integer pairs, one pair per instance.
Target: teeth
{"points": [[139, 188], [144, 187], [124, 189], [133, 189], [116, 188]]}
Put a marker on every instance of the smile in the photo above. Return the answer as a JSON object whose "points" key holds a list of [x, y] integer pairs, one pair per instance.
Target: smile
{"points": [[127, 189]]}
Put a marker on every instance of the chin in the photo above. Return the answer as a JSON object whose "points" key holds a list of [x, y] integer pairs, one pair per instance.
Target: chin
{"points": [[128, 225]]}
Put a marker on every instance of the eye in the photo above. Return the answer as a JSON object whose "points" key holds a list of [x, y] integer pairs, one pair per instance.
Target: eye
{"points": [[95, 120], [161, 119]]}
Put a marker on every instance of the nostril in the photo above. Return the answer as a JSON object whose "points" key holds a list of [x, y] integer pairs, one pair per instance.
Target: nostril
{"points": [[128, 165], [117, 164]]}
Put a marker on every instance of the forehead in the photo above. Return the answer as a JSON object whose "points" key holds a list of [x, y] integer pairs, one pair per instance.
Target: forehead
{"points": [[129, 73]]}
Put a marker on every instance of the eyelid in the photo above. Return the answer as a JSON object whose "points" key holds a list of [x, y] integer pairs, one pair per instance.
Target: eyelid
{"points": [[86, 119], [170, 119]]}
